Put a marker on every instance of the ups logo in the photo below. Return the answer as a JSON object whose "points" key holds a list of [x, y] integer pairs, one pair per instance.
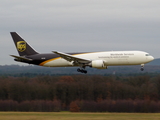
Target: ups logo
{"points": [[21, 46]]}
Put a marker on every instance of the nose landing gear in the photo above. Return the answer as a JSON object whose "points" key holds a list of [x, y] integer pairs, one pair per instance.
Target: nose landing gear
{"points": [[142, 67]]}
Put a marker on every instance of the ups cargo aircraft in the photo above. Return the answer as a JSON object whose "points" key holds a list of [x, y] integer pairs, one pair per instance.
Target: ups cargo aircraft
{"points": [[99, 60]]}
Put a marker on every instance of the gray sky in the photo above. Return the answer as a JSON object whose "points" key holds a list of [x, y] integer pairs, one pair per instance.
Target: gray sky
{"points": [[80, 25]]}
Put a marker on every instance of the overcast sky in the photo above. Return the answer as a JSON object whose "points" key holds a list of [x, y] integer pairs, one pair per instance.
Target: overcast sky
{"points": [[80, 25]]}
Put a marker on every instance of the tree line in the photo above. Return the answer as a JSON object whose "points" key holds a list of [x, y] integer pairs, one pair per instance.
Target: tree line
{"points": [[33, 71], [81, 93]]}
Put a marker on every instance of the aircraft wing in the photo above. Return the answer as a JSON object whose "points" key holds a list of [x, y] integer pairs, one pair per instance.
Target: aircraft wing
{"points": [[21, 58], [71, 58]]}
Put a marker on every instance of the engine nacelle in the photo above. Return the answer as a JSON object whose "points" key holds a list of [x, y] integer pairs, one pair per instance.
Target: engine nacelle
{"points": [[99, 64]]}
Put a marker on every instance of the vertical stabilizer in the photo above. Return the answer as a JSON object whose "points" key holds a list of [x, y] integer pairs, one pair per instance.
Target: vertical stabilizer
{"points": [[22, 46]]}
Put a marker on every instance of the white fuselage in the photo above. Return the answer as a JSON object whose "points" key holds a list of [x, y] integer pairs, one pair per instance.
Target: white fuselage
{"points": [[111, 58]]}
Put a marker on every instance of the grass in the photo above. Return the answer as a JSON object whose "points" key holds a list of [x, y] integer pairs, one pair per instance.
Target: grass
{"points": [[77, 116]]}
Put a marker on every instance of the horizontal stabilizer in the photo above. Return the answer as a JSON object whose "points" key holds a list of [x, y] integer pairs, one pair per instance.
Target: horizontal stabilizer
{"points": [[21, 58]]}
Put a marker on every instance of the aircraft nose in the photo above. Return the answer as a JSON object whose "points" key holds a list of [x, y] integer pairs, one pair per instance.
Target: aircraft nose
{"points": [[151, 58]]}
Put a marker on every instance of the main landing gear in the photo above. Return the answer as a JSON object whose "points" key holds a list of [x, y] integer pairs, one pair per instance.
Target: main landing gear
{"points": [[82, 70], [142, 67]]}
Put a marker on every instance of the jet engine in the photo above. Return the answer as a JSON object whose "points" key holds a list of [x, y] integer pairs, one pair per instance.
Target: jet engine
{"points": [[99, 64]]}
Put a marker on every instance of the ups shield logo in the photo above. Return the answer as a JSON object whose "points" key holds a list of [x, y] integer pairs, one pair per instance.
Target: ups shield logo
{"points": [[21, 46]]}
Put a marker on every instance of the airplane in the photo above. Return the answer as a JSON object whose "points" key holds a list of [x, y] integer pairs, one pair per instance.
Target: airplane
{"points": [[99, 60]]}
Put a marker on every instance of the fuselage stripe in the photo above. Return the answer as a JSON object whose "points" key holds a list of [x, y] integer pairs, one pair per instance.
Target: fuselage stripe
{"points": [[41, 64], [44, 62]]}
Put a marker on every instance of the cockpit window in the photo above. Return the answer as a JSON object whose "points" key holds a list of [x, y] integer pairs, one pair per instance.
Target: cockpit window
{"points": [[147, 55]]}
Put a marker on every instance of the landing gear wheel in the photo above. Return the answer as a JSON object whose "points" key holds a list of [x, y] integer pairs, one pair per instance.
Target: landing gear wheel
{"points": [[81, 70], [142, 67], [84, 71], [78, 70]]}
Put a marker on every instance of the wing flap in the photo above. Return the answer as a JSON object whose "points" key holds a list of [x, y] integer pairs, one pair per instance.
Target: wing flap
{"points": [[70, 58]]}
